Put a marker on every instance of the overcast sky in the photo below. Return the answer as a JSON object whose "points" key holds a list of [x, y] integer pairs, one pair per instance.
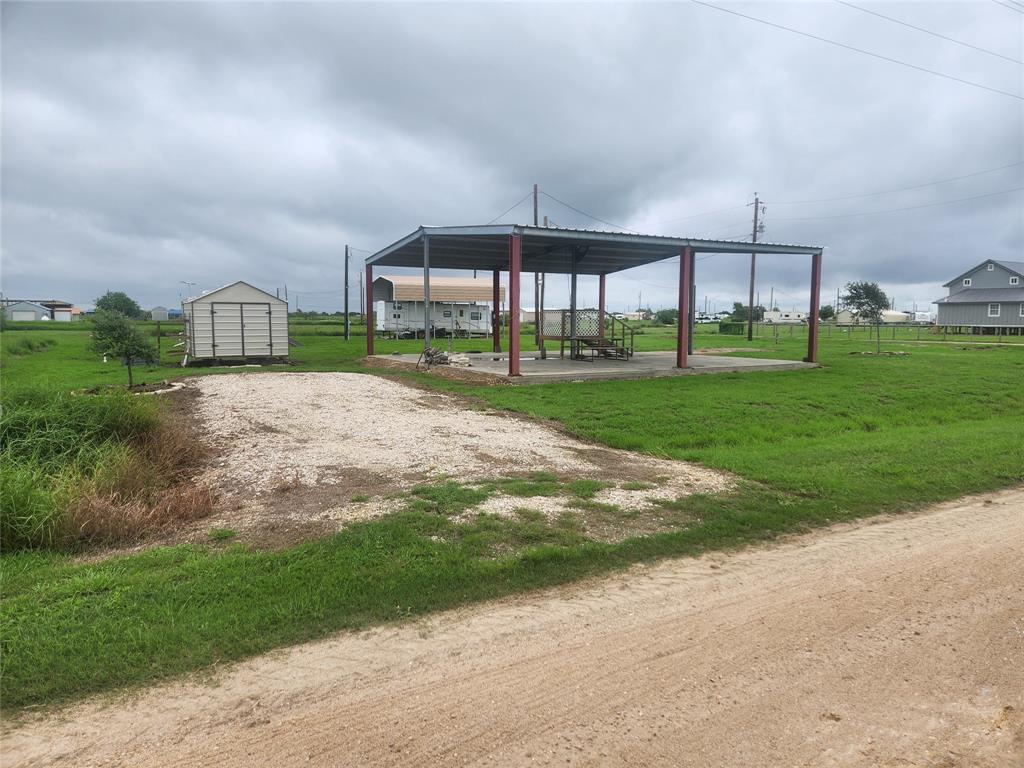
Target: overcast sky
{"points": [[145, 144]]}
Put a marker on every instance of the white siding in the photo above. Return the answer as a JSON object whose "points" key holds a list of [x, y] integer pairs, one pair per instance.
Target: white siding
{"points": [[236, 321], [399, 316]]}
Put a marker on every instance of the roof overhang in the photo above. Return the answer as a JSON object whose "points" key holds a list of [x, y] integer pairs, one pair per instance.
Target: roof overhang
{"points": [[553, 250]]}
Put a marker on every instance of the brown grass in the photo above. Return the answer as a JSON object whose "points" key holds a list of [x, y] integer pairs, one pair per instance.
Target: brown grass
{"points": [[143, 489], [116, 519]]}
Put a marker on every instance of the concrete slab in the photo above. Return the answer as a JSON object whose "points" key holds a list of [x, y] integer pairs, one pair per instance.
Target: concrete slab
{"points": [[643, 365]]}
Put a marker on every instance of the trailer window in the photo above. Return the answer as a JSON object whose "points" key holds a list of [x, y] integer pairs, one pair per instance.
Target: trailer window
{"points": [[474, 315], [397, 316], [398, 306], [462, 313]]}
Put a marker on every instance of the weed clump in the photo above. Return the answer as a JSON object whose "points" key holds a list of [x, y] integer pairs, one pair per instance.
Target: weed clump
{"points": [[103, 469]]}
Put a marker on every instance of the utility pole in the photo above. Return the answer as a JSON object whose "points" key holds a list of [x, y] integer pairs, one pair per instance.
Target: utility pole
{"points": [[536, 276], [771, 300], [345, 307], [753, 262]]}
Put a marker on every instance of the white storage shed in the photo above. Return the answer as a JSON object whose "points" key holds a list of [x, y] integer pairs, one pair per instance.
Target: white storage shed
{"points": [[236, 321]]}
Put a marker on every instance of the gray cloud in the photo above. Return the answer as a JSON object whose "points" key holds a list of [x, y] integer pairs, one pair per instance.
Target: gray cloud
{"points": [[144, 144]]}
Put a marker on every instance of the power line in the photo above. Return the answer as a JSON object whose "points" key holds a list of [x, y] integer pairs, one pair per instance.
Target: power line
{"points": [[1005, 5], [901, 189], [928, 31], [504, 213], [588, 215], [860, 50], [907, 208], [698, 215]]}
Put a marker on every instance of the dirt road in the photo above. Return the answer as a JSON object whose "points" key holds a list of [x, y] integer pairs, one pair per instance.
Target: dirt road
{"points": [[899, 643]]}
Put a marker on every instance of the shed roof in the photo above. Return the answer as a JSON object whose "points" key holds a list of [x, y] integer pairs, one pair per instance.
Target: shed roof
{"points": [[208, 294], [983, 296], [445, 289], [550, 249]]}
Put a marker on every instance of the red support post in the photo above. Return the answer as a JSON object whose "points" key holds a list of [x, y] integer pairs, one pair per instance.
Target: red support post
{"points": [[369, 310], [496, 313], [685, 288], [600, 302], [515, 259], [813, 317]]}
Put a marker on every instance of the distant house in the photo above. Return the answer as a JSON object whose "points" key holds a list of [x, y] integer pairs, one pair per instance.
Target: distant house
{"points": [[777, 317], [847, 317], [458, 305], [639, 315], [25, 311], [54, 309], [159, 313], [886, 317], [986, 299]]}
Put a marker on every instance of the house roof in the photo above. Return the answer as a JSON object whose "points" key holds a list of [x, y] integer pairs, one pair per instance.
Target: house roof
{"points": [[24, 303], [983, 296], [553, 249], [444, 289], [208, 294], [1017, 267]]}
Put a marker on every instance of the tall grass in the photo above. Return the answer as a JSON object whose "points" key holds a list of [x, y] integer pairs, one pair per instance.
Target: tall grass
{"points": [[76, 468], [26, 345]]}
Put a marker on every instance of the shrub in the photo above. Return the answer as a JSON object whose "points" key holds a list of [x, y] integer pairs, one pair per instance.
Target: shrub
{"points": [[92, 468], [117, 336], [30, 507], [26, 346], [732, 328]]}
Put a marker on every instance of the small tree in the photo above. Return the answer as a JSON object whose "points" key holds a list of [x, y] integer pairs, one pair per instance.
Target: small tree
{"points": [[666, 316], [115, 335], [867, 301], [120, 302], [827, 312], [739, 312]]}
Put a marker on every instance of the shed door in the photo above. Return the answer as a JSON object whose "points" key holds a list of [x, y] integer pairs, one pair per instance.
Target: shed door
{"points": [[256, 329], [22, 315]]}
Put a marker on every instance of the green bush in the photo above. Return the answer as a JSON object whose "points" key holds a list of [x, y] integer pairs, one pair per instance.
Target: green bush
{"points": [[731, 328], [50, 443], [31, 506], [26, 346]]}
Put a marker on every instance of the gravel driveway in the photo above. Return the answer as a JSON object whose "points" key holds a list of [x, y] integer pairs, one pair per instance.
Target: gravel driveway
{"points": [[319, 440]]}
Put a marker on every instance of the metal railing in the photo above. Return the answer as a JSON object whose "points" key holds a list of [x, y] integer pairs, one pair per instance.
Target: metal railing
{"points": [[592, 334]]}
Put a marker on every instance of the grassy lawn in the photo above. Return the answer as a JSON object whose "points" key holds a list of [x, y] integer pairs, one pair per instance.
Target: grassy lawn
{"points": [[859, 436]]}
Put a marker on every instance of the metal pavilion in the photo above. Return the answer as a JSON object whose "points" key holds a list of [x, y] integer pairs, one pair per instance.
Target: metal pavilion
{"points": [[518, 248]]}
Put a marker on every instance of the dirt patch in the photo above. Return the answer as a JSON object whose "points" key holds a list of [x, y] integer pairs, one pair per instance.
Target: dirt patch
{"points": [[453, 372], [724, 350], [295, 449], [889, 644]]}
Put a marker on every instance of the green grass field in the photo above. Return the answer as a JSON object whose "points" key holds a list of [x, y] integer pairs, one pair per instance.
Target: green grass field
{"points": [[860, 436]]}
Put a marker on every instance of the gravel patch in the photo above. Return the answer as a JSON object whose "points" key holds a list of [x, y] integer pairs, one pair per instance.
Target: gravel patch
{"points": [[282, 432]]}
